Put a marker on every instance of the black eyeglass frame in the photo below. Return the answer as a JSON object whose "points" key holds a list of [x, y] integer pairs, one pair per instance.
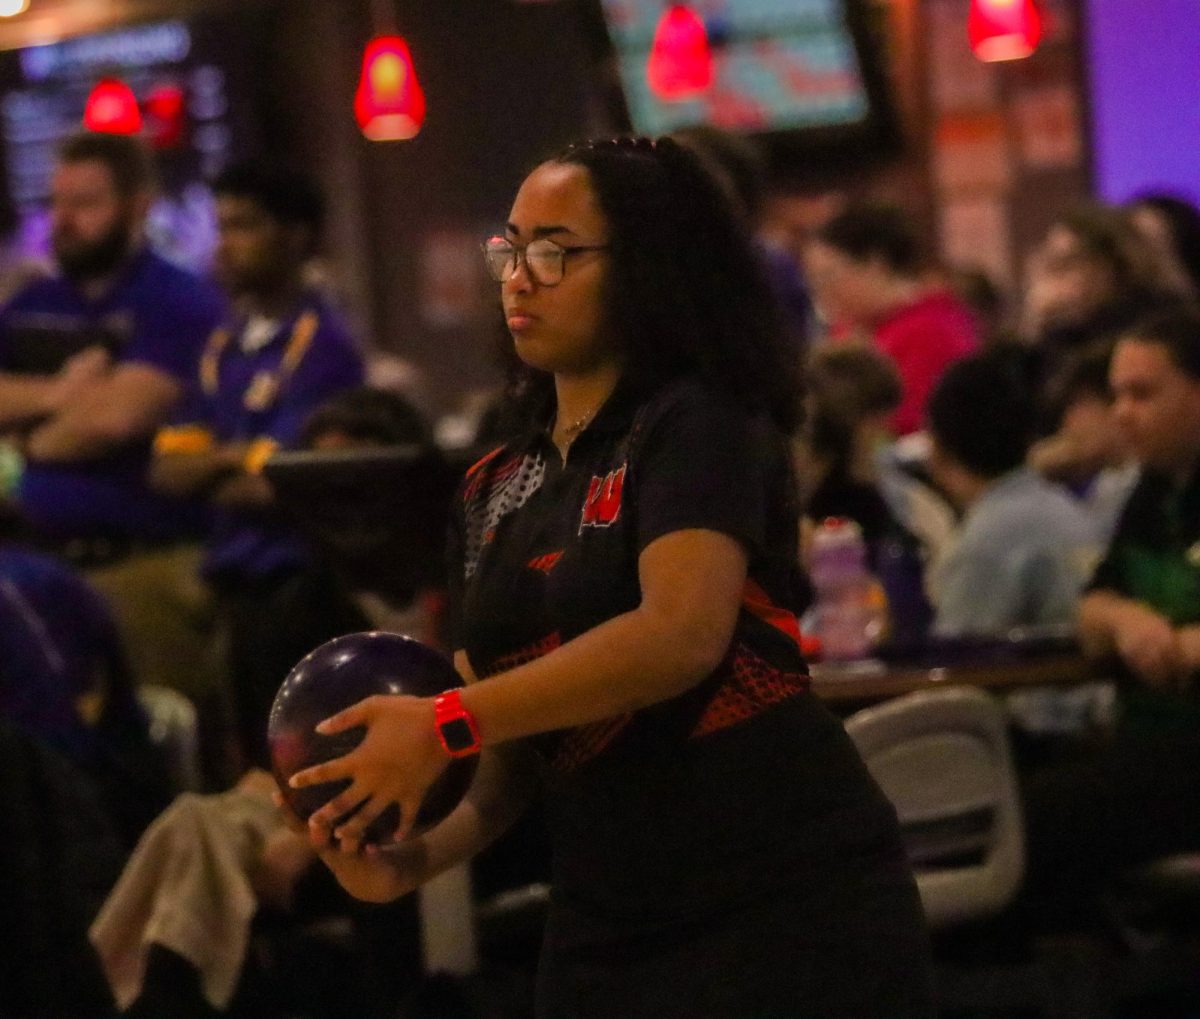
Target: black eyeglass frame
{"points": [[516, 255]]}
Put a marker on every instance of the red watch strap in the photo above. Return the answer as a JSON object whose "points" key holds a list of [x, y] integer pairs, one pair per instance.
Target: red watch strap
{"points": [[457, 729]]}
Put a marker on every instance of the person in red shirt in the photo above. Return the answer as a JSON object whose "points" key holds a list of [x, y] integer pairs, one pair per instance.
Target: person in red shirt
{"points": [[864, 267]]}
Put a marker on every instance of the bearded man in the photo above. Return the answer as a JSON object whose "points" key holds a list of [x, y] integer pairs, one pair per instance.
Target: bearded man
{"points": [[93, 361], [94, 358]]}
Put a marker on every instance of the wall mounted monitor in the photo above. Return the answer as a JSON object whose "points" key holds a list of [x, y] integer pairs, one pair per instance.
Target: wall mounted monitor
{"points": [[806, 76]]}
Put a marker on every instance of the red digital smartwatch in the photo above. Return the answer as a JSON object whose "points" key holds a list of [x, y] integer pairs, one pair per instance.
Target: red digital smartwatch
{"points": [[456, 727]]}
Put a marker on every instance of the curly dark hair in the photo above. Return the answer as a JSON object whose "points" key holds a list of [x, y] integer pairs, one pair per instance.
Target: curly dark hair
{"points": [[687, 292]]}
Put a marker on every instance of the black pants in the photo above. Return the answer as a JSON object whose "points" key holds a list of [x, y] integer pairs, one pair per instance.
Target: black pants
{"points": [[270, 624]]}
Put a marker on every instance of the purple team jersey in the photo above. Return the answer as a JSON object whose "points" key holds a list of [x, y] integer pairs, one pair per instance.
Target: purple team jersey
{"points": [[268, 394], [157, 315]]}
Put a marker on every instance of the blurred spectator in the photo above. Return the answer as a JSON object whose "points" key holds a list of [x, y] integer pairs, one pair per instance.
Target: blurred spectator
{"points": [[79, 781], [865, 267], [366, 417], [261, 374], [1091, 277], [1024, 548], [65, 682], [1088, 452], [209, 862], [1171, 225], [385, 542], [1144, 604], [736, 161], [852, 392], [1136, 795], [94, 359]]}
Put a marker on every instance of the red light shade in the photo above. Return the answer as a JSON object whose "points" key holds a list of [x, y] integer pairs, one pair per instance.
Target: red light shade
{"points": [[681, 62], [389, 104], [112, 108], [1003, 29], [165, 116]]}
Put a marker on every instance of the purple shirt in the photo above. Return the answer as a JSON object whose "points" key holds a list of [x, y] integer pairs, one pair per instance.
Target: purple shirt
{"points": [[156, 314], [60, 644], [246, 395]]}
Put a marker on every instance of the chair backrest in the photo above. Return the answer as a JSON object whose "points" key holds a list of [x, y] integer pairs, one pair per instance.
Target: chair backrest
{"points": [[942, 757], [175, 729]]}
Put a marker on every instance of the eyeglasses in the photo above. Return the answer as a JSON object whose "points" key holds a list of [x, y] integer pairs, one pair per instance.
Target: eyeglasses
{"points": [[545, 260]]}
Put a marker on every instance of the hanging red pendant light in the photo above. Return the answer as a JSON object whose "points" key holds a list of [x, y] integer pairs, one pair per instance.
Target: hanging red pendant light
{"points": [[681, 61], [165, 115], [1003, 29], [112, 108], [389, 103]]}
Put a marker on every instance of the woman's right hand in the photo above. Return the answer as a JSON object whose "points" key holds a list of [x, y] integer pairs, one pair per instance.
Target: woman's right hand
{"points": [[375, 873]]}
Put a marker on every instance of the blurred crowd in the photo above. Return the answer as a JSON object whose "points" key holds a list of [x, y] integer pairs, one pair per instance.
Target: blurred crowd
{"points": [[1014, 462]]}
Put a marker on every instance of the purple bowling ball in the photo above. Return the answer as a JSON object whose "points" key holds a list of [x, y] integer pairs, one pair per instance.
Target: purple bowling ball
{"points": [[336, 675]]}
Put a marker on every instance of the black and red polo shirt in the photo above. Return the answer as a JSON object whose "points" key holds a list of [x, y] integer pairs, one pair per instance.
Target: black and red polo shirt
{"points": [[546, 550], [704, 796]]}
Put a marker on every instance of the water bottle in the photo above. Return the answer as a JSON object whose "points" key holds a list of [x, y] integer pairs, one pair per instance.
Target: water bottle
{"points": [[902, 575], [850, 613]]}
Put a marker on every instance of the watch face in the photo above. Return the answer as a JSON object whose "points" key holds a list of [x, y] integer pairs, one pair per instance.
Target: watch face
{"points": [[457, 734]]}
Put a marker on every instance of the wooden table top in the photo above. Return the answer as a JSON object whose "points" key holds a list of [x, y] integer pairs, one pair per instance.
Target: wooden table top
{"points": [[874, 680]]}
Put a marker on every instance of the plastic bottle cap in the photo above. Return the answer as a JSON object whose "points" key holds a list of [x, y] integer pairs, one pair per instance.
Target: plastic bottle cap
{"points": [[834, 531]]}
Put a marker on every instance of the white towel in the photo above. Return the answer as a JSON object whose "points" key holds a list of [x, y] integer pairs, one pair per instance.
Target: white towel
{"points": [[186, 887]]}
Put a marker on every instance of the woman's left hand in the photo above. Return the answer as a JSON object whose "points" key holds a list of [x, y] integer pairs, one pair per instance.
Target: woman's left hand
{"points": [[397, 761]]}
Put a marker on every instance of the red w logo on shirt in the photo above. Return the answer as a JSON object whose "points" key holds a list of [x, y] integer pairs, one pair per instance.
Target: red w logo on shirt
{"points": [[603, 502]]}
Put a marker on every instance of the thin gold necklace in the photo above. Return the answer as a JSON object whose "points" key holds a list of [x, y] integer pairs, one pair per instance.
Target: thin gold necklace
{"points": [[571, 430]]}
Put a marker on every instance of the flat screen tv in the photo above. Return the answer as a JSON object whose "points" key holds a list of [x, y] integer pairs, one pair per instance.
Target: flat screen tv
{"points": [[804, 76]]}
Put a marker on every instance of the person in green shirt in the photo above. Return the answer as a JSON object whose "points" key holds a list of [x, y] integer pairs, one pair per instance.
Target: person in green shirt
{"points": [[1143, 604], [1134, 796]]}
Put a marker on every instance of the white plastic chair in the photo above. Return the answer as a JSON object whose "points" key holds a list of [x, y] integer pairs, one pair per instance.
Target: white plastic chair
{"points": [[943, 758]]}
